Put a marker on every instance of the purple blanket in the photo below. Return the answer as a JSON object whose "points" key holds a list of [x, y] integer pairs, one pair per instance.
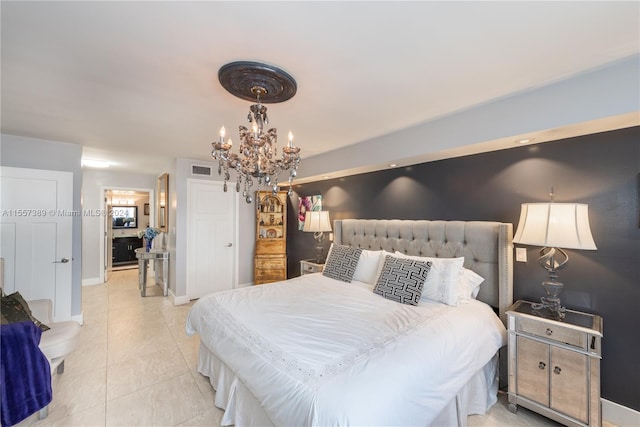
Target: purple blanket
{"points": [[25, 377]]}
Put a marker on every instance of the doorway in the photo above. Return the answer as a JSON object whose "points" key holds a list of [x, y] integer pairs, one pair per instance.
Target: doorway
{"points": [[127, 212]]}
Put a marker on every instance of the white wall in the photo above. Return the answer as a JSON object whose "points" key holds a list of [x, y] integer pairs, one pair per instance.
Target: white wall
{"points": [[22, 152], [93, 182]]}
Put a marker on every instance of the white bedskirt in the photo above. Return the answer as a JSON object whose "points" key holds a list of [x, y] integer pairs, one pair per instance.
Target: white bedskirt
{"points": [[243, 409]]}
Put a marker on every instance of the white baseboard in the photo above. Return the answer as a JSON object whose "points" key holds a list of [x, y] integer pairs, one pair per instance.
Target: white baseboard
{"points": [[619, 415], [79, 318], [92, 281], [179, 300]]}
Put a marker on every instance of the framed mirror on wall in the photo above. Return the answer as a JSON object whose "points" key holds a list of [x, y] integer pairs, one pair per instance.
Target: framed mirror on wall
{"points": [[163, 202]]}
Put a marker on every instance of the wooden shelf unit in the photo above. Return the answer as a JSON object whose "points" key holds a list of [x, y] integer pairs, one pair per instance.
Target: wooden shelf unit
{"points": [[270, 263]]}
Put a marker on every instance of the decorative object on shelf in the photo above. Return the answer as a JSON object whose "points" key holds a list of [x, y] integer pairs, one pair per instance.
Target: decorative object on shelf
{"points": [[554, 226], [317, 222], [258, 153], [149, 234]]}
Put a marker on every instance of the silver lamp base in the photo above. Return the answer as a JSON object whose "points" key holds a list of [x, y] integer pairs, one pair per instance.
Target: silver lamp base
{"points": [[319, 236], [551, 302]]}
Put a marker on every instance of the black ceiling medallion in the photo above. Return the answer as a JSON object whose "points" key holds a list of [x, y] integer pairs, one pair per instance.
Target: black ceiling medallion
{"points": [[248, 80]]}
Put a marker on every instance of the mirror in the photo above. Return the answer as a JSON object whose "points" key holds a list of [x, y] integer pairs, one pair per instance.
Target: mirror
{"points": [[124, 217], [163, 202]]}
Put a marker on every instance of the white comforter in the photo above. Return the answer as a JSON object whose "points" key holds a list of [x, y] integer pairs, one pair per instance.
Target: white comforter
{"points": [[317, 352]]}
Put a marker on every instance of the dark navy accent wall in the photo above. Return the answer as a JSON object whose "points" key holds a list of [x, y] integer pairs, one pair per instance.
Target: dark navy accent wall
{"points": [[601, 170]]}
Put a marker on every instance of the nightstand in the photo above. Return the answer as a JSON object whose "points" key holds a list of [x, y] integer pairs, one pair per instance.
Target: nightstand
{"points": [[554, 365], [308, 266]]}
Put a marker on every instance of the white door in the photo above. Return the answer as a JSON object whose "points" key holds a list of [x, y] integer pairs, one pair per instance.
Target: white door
{"points": [[36, 219], [211, 252]]}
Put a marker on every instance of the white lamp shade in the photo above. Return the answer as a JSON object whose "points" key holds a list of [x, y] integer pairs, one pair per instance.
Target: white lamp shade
{"points": [[317, 221], [555, 225]]}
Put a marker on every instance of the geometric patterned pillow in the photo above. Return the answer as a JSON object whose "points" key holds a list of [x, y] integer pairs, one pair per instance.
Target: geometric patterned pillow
{"points": [[402, 279], [342, 263], [442, 283], [14, 308]]}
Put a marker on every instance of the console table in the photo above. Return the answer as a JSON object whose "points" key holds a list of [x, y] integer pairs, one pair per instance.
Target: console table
{"points": [[161, 266]]}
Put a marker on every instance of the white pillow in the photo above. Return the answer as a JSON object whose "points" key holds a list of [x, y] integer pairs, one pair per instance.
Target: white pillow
{"points": [[367, 268], [383, 255], [468, 284], [442, 281]]}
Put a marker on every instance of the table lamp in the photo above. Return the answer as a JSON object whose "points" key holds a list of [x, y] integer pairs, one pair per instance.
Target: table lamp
{"points": [[317, 222], [554, 226]]}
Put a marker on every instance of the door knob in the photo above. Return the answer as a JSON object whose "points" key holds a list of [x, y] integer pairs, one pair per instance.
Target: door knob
{"points": [[229, 245], [62, 261]]}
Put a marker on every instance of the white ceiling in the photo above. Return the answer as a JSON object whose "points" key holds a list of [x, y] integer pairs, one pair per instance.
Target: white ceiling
{"points": [[136, 82]]}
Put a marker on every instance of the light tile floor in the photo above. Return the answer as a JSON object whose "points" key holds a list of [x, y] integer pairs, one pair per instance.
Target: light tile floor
{"points": [[135, 366]]}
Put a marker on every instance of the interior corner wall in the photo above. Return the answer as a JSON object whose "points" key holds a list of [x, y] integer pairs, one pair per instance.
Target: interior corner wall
{"points": [[601, 170], [22, 152]]}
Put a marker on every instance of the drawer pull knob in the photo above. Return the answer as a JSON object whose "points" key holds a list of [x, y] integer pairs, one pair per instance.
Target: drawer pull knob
{"points": [[593, 343], [557, 370], [549, 332], [542, 365]]}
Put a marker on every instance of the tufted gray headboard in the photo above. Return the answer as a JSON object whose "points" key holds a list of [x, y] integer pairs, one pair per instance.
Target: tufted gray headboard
{"points": [[485, 246]]}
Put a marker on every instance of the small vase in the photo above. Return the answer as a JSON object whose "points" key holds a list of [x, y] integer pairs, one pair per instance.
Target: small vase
{"points": [[148, 244]]}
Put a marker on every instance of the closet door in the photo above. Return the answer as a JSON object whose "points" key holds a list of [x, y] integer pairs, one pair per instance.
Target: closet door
{"points": [[35, 235], [211, 231]]}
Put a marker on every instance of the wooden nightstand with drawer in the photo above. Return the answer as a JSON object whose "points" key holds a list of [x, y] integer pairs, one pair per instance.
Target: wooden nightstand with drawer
{"points": [[554, 365], [308, 266]]}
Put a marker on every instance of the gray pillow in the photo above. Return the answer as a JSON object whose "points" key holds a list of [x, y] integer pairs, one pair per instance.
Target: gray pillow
{"points": [[402, 279], [342, 263]]}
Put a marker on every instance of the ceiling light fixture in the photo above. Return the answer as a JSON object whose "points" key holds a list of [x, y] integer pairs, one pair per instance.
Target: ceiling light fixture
{"points": [[258, 153]]}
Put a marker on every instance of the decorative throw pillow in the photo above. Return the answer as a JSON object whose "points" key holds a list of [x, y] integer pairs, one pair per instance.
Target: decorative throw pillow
{"points": [[15, 309], [402, 280], [368, 267], [442, 283], [342, 263]]}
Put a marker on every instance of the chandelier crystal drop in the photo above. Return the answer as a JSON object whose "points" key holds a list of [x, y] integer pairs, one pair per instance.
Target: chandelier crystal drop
{"points": [[257, 159]]}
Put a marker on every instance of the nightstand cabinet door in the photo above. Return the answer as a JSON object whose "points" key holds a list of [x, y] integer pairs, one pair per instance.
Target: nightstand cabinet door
{"points": [[532, 378], [554, 364], [569, 386], [309, 267]]}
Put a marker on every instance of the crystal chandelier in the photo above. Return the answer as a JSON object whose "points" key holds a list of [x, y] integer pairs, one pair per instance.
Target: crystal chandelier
{"points": [[257, 158]]}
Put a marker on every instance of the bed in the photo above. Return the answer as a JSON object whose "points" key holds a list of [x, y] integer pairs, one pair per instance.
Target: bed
{"points": [[323, 351]]}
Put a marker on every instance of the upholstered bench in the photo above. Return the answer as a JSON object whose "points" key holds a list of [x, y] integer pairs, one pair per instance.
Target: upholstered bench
{"points": [[57, 342], [54, 341], [62, 337]]}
